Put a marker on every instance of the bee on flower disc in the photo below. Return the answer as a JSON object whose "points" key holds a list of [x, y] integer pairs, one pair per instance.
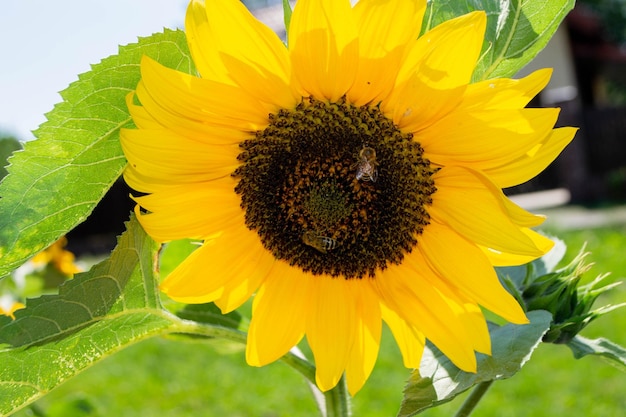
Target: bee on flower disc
{"points": [[321, 243], [366, 165]]}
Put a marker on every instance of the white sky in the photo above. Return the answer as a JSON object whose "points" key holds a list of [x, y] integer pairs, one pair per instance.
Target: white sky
{"points": [[45, 44]]}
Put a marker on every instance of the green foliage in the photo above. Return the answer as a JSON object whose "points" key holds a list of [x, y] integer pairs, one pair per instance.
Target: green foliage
{"points": [[438, 380], [516, 30], [94, 315], [57, 180], [287, 15], [540, 286], [581, 346]]}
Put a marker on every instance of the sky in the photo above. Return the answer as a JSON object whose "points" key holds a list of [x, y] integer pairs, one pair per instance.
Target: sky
{"points": [[45, 44]]}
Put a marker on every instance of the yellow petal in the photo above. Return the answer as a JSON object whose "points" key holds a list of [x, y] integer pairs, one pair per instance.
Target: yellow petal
{"points": [[518, 215], [439, 66], [498, 258], [464, 204], [191, 210], [323, 41], [205, 54], [169, 159], [505, 93], [178, 123], [476, 325], [410, 341], [236, 292], [485, 139], [530, 164], [445, 56], [331, 327], [203, 101], [464, 266], [252, 53], [8, 306], [279, 314], [465, 309], [386, 29], [141, 117], [411, 113], [368, 328], [233, 255], [230, 46], [422, 306]]}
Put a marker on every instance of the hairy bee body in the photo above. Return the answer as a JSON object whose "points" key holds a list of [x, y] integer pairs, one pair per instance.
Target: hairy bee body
{"points": [[366, 165], [321, 243]]}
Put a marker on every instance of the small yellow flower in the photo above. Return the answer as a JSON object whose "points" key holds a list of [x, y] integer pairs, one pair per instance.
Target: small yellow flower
{"points": [[61, 259], [8, 306], [352, 177]]}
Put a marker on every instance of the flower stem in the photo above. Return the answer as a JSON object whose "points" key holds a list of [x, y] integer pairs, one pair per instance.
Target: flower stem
{"points": [[338, 400], [472, 400]]}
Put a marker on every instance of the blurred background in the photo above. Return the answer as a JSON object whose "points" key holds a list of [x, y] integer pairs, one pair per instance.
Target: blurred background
{"points": [[44, 45], [588, 54]]}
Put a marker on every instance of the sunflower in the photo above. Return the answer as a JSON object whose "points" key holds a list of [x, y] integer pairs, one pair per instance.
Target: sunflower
{"points": [[350, 178]]}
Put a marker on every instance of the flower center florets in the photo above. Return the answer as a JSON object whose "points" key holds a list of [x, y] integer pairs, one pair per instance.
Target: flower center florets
{"points": [[335, 189]]}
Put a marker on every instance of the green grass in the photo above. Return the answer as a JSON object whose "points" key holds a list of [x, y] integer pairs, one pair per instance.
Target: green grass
{"points": [[167, 378]]}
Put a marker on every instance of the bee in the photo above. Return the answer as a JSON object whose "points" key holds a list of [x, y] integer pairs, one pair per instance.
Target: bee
{"points": [[321, 243], [366, 166]]}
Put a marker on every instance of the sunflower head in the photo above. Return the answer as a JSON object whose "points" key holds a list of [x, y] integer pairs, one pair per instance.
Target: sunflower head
{"points": [[352, 177], [570, 303], [335, 189]]}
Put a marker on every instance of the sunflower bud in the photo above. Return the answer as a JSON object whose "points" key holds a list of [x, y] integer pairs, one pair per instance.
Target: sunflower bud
{"points": [[571, 304]]}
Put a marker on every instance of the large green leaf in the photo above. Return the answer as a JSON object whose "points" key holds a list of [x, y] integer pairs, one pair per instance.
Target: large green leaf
{"points": [[581, 346], [94, 315], [516, 29], [57, 180], [438, 380]]}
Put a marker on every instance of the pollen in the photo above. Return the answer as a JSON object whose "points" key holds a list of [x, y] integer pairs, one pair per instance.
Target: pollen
{"points": [[335, 189]]}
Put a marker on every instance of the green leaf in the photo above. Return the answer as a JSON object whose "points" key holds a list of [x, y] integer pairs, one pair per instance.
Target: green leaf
{"points": [[439, 381], [94, 315], [7, 147], [581, 346], [57, 180], [287, 11], [516, 30], [174, 252]]}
